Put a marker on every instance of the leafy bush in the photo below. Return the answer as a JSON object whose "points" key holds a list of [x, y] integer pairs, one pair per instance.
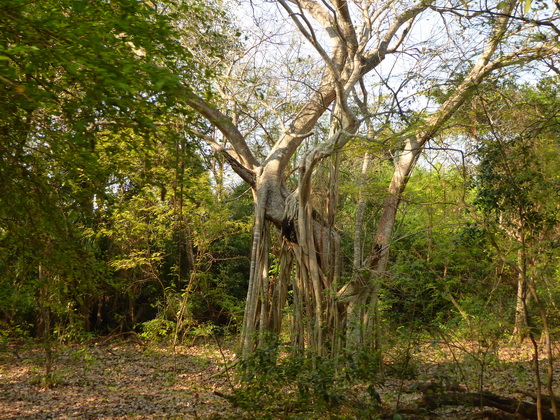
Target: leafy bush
{"points": [[157, 329], [278, 381]]}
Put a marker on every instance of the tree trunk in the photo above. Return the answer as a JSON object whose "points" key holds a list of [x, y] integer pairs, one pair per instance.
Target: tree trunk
{"points": [[520, 323], [360, 211], [361, 293], [255, 319]]}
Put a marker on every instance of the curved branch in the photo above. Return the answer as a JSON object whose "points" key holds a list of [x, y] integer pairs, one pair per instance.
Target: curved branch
{"points": [[228, 129], [325, 95], [232, 158], [373, 58], [309, 34], [317, 11]]}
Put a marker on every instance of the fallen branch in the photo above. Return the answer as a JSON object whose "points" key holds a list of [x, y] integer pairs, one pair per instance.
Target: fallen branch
{"points": [[546, 400], [486, 399]]}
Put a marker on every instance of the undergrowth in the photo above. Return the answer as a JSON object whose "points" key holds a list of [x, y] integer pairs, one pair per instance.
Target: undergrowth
{"points": [[279, 381]]}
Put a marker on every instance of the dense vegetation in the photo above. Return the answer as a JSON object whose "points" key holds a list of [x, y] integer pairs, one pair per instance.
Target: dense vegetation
{"points": [[109, 215], [431, 210]]}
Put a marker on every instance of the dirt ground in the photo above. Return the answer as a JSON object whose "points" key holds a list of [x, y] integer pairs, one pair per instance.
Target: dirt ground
{"points": [[115, 381], [128, 380]]}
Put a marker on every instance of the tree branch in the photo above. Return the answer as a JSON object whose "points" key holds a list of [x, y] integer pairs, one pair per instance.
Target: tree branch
{"points": [[228, 129]]}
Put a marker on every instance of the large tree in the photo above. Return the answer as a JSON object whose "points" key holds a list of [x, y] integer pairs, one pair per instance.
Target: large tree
{"points": [[469, 43]]}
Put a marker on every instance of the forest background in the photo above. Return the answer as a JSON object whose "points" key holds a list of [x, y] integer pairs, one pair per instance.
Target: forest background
{"points": [[331, 179]]}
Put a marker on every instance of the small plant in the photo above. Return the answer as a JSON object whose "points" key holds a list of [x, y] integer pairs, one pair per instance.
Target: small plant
{"points": [[51, 379], [157, 329], [474, 348], [403, 366], [84, 358], [202, 331], [401, 363]]}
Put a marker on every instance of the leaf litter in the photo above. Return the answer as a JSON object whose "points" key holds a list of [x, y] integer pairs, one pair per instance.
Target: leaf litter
{"points": [[121, 381], [127, 380]]}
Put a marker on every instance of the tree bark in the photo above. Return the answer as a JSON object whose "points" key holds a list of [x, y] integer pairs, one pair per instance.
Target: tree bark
{"points": [[520, 322]]}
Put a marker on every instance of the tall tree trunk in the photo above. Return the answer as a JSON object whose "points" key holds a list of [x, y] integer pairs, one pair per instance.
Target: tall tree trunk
{"points": [[360, 212], [361, 293], [279, 287], [255, 319], [520, 323], [45, 322]]}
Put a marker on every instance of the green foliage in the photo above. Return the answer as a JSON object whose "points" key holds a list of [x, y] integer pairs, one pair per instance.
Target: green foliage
{"points": [[277, 381], [97, 159], [518, 169], [517, 192], [157, 329], [438, 257], [453, 262]]}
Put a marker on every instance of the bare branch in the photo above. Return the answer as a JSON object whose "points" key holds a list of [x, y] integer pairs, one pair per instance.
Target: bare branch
{"points": [[226, 126]]}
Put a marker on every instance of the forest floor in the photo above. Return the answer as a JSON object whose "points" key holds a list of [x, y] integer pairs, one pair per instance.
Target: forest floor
{"points": [[130, 380]]}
